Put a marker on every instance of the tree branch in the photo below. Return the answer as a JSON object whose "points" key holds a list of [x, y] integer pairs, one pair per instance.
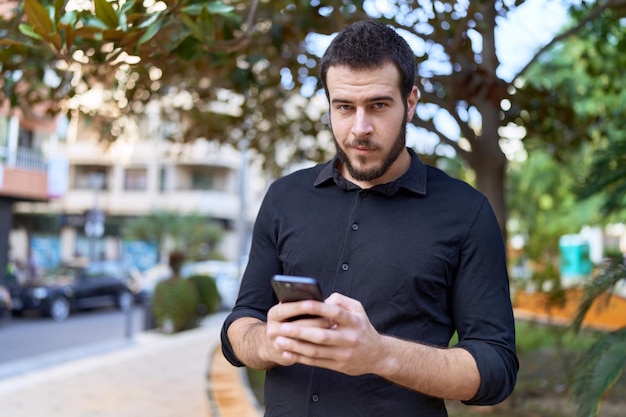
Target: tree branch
{"points": [[571, 31]]}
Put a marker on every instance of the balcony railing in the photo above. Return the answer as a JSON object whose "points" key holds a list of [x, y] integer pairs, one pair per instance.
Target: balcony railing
{"points": [[26, 158]]}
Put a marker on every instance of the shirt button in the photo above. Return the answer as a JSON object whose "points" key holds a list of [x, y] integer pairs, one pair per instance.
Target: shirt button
{"points": [[315, 398], [363, 193], [345, 267], [355, 226]]}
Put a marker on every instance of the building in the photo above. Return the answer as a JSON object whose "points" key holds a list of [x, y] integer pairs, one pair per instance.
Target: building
{"points": [[101, 185], [23, 168]]}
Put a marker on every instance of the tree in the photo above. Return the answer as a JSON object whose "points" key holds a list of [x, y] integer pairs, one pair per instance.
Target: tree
{"points": [[249, 69], [194, 235], [588, 70], [573, 97]]}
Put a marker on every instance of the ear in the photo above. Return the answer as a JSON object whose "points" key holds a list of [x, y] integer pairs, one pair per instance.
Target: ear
{"points": [[411, 102]]}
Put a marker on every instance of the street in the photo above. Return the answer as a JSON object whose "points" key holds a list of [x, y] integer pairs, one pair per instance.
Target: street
{"points": [[23, 339]]}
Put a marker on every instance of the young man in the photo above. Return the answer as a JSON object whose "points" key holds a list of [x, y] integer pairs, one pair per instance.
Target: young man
{"points": [[405, 254]]}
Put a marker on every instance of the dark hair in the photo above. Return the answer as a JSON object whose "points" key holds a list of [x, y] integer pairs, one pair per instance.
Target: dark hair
{"points": [[369, 44]]}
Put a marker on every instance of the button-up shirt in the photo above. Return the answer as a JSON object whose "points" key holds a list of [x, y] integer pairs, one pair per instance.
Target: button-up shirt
{"points": [[423, 254]]}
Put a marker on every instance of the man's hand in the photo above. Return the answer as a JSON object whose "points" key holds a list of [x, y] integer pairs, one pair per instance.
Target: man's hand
{"points": [[342, 339]]}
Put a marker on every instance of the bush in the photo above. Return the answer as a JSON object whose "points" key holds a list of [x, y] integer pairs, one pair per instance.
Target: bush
{"points": [[174, 304], [208, 296]]}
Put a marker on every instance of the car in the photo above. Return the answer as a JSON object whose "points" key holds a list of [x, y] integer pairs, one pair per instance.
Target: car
{"points": [[76, 287]]}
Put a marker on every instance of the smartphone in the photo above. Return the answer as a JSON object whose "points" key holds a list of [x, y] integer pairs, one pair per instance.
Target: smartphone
{"points": [[292, 288]]}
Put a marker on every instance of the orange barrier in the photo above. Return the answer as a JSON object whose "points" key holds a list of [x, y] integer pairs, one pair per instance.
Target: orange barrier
{"points": [[606, 313]]}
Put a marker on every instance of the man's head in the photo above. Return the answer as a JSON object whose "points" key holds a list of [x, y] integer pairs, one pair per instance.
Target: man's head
{"points": [[367, 45], [368, 74]]}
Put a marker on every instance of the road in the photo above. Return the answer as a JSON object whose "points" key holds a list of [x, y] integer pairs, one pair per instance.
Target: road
{"points": [[29, 339]]}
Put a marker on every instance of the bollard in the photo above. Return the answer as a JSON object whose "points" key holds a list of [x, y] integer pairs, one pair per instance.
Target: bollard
{"points": [[128, 327]]}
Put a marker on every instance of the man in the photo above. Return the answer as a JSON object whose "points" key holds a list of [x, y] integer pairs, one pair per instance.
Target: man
{"points": [[405, 255]]}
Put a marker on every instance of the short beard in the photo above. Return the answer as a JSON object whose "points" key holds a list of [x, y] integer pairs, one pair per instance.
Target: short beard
{"points": [[367, 175]]}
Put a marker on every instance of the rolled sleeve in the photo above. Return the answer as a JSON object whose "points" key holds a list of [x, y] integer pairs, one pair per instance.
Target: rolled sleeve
{"points": [[483, 310]]}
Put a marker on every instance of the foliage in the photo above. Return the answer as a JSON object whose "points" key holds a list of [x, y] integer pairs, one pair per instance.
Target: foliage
{"points": [[245, 70], [581, 83], [573, 97], [208, 296], [195, 234], [604, 362], [174, 304], [543, 206]]}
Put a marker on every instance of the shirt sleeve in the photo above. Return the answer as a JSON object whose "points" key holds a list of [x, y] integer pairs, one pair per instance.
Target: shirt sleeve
{"points": [[255, 294], [483, 311]]}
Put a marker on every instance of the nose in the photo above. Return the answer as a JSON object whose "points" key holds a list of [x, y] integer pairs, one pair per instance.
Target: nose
{"points": [[362, 125]]}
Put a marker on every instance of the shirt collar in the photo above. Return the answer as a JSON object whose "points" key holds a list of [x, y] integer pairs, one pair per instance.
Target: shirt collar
{"points": [[414, 180]]}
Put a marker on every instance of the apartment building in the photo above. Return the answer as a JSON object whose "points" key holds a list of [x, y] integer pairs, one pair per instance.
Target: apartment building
{"points": [[23, 168], [138, 174]]}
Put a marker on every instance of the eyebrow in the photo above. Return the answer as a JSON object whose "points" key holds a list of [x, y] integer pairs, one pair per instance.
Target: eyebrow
{"points": [[369, 100]]}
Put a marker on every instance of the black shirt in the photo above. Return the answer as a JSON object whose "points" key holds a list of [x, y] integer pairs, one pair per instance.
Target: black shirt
{"points": [[423, 254]]}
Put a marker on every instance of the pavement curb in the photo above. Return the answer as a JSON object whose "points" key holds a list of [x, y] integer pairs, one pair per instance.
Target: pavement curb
{"points": [[230, 394]]}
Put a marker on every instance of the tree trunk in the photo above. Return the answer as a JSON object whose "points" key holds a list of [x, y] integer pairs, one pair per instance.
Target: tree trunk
{"points": [[489, 163]]}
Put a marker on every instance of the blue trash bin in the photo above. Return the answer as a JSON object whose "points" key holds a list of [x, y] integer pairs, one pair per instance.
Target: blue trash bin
{"points": [[575, 263]]}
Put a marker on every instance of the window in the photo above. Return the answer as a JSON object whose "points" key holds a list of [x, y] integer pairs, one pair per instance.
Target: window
{"points": [[135, 179], [90, 177], [201, 180]]}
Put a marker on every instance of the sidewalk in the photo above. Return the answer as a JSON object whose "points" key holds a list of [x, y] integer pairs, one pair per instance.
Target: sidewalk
{"points": [[154, 375]]}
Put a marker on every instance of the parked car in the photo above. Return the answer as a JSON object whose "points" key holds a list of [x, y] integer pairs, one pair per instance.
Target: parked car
{"points": [[74, 287]]}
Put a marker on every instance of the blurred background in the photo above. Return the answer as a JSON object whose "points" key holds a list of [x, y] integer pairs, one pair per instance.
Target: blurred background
{"points": [[134, 130]]}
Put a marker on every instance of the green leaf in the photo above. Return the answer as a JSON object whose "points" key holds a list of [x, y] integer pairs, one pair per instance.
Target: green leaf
{"points": [[598, 372], [126, 7], [217, 7], [193, 10], [123, 25], [188, 49], [213, 7], [149, 21], [38, 17], [59, 5], [28, 30], [206, 24], [70, 18], [150, 33], [106, 13], [193, 27], [94, 23]]}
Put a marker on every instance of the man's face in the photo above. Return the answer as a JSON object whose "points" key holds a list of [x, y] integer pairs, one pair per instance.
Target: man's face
{"points": [[368, 118]]}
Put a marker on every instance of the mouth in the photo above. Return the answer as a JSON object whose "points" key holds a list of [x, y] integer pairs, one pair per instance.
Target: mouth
{"points": [[362, 147]]}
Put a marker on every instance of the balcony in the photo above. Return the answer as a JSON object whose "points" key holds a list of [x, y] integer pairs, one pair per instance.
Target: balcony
{"points": [[23, 175]]}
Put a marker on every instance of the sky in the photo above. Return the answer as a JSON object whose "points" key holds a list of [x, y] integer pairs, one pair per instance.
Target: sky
{"points": [[527, 29]]}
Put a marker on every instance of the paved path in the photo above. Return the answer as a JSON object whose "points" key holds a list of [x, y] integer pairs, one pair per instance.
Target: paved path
{"points": [[155, 375]]}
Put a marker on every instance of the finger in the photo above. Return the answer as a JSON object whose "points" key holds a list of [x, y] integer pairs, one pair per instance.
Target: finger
{"points": [[346, 303]]}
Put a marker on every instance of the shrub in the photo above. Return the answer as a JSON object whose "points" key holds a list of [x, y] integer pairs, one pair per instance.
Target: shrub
{"points": [[175, 304], [208, 296]]}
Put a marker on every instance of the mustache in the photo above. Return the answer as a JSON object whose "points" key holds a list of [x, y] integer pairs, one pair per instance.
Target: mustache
{"points": [[364, 143]]}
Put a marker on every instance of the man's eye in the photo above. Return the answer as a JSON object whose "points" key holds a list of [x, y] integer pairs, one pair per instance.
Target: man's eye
{"points": [[380, 105]]}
